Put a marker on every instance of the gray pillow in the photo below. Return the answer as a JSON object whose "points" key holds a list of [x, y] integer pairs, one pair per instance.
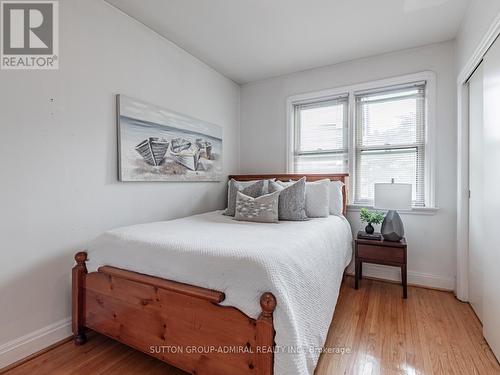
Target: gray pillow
{"points": [[263, 209], [254, 190], [292, 201]]}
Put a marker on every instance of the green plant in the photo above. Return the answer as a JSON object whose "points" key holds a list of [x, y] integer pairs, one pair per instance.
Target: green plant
{"points": [[371, 217]]}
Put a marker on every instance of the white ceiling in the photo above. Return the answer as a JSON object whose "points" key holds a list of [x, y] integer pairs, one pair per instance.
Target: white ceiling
{"points": [[248, 40]]}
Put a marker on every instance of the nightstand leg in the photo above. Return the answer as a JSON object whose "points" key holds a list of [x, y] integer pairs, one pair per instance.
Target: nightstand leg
{"points": [[356, 274], [403, 278]]}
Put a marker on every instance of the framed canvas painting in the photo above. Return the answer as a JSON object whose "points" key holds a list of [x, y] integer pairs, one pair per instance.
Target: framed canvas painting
{"points": [[156, 144]]}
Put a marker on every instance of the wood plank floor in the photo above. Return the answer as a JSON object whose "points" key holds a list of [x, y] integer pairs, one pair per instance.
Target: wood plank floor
{"points": [[429, 333]]}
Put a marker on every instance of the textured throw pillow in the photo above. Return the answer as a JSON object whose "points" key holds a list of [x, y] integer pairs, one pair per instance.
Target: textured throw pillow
{"points": [[336, 198], [292, 200], [265, 189], [263, 209], [318, 198], [253, 190]]}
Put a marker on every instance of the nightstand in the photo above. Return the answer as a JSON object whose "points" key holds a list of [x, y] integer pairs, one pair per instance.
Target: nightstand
{"points": [[380, 252]]}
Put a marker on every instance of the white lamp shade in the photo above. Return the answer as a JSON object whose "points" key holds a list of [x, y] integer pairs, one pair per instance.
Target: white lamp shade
{"points": [[393, 196]]}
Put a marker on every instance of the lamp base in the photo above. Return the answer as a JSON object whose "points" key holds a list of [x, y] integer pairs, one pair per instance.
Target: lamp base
{"points": [[392, 228]]}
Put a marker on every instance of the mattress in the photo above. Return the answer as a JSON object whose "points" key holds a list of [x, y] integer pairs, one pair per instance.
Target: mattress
{"points": [[301, 263]]}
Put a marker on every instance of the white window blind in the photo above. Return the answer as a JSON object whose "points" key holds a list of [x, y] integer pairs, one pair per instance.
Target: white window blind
{"points": [[390, 140], [321, 136]]}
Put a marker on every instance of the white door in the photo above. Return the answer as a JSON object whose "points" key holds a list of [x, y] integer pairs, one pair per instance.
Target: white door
{"points": [[491, 197], [476, 235]]}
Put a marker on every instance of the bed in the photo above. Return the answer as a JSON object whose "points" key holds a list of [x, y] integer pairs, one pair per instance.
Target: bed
{"points": [[211, 295]]}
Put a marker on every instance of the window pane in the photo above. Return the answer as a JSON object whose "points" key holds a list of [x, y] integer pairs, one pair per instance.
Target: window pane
{"points": [[389, 121], [321, 163], [390, 140], [382, 166], [322, 127]]}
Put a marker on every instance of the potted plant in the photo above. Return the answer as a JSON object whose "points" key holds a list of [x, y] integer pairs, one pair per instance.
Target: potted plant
{"points": [[370, 217]]}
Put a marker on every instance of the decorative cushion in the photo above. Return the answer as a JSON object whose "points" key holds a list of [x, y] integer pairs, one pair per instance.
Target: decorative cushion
{"points": [[252, 190], [318, 198], [263, 209], [265, 188], [336, 198], [292, 200]]}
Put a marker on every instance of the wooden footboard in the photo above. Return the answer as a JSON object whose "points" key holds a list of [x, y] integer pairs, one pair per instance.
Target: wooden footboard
{"points": [[180, 324]]}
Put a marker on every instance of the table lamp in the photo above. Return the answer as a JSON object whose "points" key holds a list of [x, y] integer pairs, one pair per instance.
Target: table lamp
{"points": [[392, 197]]}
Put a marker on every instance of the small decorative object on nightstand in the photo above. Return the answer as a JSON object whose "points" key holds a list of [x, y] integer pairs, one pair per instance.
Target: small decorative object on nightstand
{"points": [[370, 217], [367, 236], [393, 197], [389, 253]]}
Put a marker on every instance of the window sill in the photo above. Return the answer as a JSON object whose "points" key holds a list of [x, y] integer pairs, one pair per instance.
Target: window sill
{"points": [[413, 211]]}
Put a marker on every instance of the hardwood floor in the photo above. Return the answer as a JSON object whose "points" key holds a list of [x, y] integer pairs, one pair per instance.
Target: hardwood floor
{"points": [[429, 333]]}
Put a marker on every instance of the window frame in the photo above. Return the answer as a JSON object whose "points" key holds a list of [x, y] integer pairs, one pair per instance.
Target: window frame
{"points": [[430, 119], [419, 146], [297, 129]]}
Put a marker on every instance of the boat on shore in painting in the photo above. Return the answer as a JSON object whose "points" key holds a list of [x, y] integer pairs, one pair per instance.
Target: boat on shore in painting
{"points": [[205, 146], [153, 150], [185, 153]]}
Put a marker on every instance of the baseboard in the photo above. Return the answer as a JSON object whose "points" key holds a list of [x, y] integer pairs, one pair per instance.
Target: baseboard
{"points": [[415, 278], [33, 342]]}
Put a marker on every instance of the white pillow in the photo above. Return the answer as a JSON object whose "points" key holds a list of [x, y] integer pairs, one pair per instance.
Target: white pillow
{"points": [[336, 198], [318, 198]]}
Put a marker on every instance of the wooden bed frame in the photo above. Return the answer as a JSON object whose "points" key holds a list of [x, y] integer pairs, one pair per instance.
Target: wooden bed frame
{"points": [[183, 325]]}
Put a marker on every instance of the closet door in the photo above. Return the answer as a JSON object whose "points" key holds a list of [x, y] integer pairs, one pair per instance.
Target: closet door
{"points": [[491, 196], [476, 235]]}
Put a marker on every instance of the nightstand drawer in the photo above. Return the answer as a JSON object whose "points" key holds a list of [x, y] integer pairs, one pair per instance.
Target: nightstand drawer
{"points": [[381, 253]]}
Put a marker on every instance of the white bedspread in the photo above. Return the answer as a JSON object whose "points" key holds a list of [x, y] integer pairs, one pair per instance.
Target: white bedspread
{"points": [[301, 263]]}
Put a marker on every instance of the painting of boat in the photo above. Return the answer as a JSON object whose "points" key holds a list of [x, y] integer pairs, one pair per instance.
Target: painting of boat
{"points": [[185, 153], [158, 144], [153, 150]]}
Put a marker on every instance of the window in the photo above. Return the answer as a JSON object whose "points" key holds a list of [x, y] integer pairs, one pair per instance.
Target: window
{"points": [[375, 132], [390, 140], [321, 136]]}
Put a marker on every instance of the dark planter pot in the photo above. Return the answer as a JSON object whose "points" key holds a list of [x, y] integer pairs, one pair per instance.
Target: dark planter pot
{"points": [[369, 229]]}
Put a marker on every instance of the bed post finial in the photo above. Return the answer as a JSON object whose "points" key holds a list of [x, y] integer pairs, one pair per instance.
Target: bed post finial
{"points": [[268, 304], [265, 335], [78, 295], [81, 258]]}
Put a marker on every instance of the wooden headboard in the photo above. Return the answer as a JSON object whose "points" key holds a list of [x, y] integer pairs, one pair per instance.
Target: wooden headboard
{"points": [[309, 177]]}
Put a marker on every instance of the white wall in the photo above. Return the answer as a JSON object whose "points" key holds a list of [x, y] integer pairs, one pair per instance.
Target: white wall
{"points": [[59, 170], [431, 238], [477, 20]]}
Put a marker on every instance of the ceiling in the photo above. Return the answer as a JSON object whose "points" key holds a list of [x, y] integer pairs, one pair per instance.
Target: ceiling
{"points": [[248, 40]]}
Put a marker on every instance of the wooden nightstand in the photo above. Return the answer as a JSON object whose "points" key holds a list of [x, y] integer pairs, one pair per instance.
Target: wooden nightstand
{"points": [[380, 252]]}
